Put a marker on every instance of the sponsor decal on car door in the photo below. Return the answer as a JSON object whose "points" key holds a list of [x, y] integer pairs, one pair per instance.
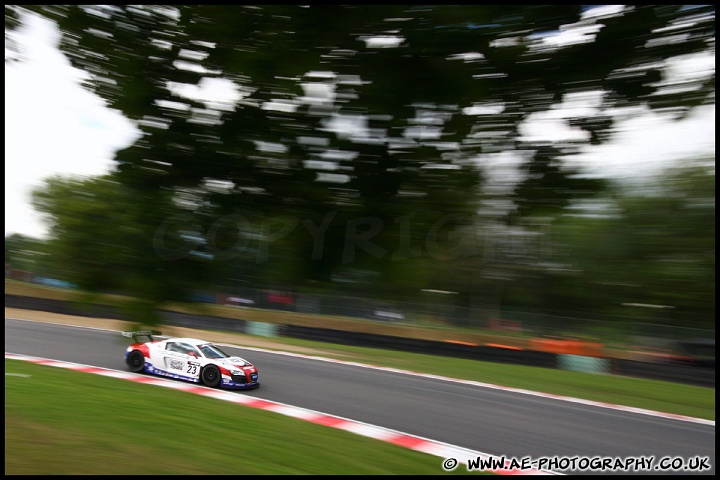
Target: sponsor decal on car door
{"points": [[174, 362], [177, 361]]}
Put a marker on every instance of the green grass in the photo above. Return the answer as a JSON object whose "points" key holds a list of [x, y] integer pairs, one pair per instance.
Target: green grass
{"points": [[62, 422]]}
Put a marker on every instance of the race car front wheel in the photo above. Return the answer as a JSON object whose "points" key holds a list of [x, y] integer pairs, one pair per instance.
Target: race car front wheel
{"points": [[211, 376], [136, 361]]}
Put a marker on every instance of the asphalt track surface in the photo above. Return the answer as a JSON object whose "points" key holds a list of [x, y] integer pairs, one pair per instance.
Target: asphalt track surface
{"points": [[490, 420]]}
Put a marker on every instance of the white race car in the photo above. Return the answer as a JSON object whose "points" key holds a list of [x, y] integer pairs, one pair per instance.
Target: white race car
{"points": [[189, 359]]}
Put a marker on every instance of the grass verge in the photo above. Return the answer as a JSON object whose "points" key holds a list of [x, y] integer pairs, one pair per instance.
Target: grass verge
{"points": [[61, 422]]}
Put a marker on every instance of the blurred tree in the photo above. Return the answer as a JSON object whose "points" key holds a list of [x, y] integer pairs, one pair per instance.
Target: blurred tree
{"points": [[245, 112], [656, 247], [547, 190], [104, 239], [23, 253]]}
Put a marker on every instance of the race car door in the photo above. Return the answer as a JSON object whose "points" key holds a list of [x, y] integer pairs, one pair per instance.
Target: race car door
{"points": [[181, 359]]}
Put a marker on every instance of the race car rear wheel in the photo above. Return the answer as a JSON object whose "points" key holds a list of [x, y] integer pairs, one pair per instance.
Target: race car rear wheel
{"points": [[211, 376], [136, 361]]}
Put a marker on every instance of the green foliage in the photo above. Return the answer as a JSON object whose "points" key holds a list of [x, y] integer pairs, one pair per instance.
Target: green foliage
{"points": [[23, 252], [104, 237], [548, 190], [265, 188], [656, 248]]}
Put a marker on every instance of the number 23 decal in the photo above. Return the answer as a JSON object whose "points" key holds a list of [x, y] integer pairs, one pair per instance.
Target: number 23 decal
{"points": [[192, 368]]}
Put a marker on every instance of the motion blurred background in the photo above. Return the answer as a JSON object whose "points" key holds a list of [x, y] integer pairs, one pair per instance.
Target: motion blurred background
{"points": [[442, 166]]}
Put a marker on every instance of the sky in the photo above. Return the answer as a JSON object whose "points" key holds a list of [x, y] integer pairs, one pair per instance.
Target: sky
{"points": [[53, 126]]}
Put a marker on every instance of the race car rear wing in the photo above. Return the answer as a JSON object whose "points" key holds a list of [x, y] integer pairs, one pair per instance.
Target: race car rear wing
{"points": [[141, 334]]}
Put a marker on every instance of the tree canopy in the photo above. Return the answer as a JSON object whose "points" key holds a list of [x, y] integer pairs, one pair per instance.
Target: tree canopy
{"points": [[322, 141]]}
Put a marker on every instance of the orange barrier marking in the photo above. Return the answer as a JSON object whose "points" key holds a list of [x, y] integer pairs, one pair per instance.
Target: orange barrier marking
{"points": [[498, 345], [458, 342]]}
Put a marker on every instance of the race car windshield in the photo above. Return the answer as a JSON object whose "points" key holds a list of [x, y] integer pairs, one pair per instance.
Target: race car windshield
{"points": [[211, 351]]}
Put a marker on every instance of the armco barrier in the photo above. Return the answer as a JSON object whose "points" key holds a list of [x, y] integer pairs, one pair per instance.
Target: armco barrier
{"points": [[691, 375]]}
